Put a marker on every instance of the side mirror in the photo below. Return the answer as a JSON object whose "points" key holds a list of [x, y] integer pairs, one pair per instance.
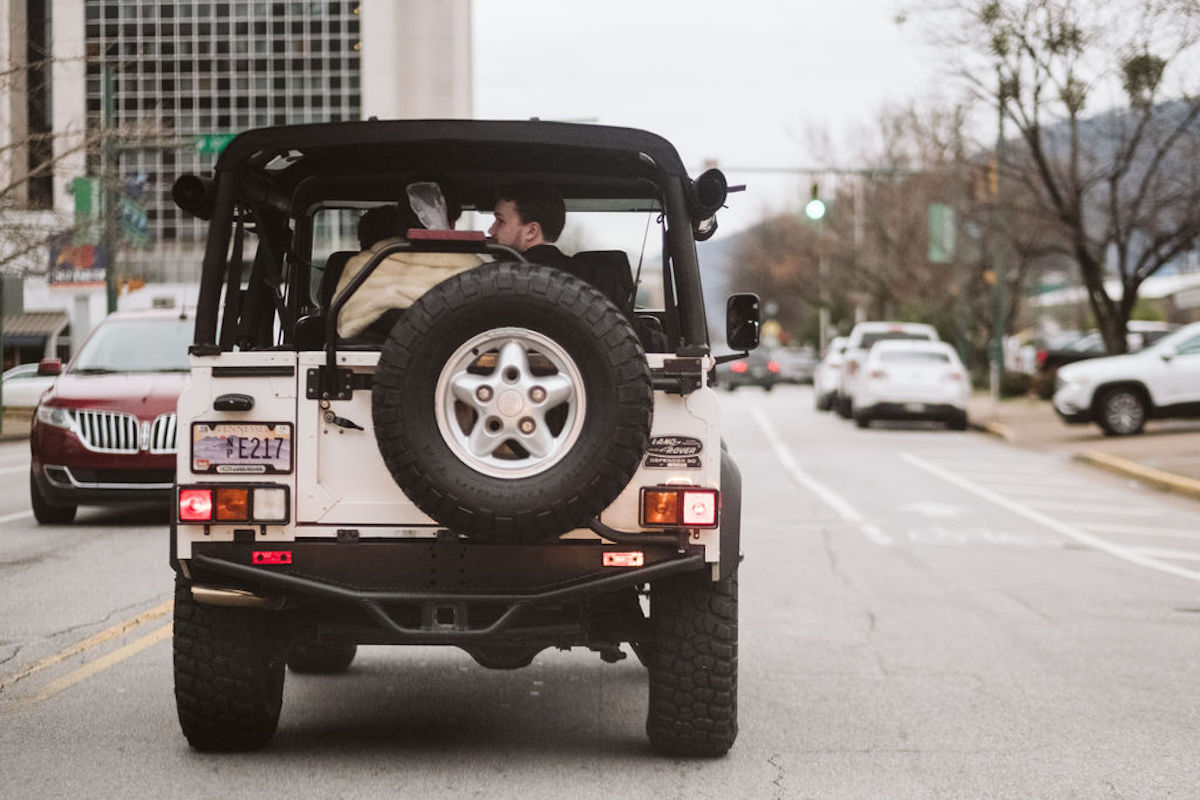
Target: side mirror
{"points": [[743, 321], [50, 366]]}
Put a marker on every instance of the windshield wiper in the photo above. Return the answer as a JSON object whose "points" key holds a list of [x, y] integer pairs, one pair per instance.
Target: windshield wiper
{"points": [[93, 371]]}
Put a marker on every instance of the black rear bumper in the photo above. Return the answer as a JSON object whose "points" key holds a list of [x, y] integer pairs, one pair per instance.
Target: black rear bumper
{"points": [[422, 592]]}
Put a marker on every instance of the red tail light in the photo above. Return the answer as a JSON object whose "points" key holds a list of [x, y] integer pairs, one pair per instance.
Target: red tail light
{"points": [[877, 374], [1042, 355], [738, 366], [195, 505], [773, 366], [632, 559], [272, 557]]}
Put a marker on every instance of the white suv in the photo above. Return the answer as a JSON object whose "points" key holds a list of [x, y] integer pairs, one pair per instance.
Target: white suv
{"points": [[859, 342], [527, 459], [1119, 393]]}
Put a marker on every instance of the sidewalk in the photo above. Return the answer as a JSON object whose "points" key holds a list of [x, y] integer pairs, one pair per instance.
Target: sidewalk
{"points": [[1166, 455], [15, 424]]}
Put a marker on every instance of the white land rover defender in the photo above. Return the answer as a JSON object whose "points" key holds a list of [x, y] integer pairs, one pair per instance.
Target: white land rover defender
{"points": [[530, 457]]}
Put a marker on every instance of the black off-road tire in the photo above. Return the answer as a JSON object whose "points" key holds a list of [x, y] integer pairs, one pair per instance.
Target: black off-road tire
{"points": [[613, 380], [1122, 411], [958, 422], [693, 665], [843, 407], [45, 513], [315, 658], [229, 670], [862, 419]]}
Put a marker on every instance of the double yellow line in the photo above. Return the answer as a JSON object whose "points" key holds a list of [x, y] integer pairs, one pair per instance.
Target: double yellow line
{"points": [[100, 664]]}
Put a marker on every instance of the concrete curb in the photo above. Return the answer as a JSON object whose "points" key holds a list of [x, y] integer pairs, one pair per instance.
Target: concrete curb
{"points": [[997, 429], [1176, 484]]}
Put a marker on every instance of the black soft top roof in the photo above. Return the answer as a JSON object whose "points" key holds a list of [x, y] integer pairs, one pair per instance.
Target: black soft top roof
{"points": [[582, 160]]}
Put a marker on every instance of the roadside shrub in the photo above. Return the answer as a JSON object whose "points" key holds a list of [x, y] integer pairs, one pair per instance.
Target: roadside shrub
{"points": [[1015, 384], [1043, 386]]}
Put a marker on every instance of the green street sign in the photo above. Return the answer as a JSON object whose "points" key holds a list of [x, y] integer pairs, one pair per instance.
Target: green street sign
{"points": [[212, 142], [942, 229]]}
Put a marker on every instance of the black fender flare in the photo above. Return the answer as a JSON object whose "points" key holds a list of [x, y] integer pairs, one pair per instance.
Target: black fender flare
{"points": [[731, 515]]}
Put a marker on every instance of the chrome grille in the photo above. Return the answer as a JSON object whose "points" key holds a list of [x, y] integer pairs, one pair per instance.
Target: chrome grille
{"points": [[107, 431], [162, 434]]}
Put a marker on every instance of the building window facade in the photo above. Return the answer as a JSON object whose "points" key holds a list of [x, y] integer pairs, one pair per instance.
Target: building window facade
{"points": [[183, 70]]}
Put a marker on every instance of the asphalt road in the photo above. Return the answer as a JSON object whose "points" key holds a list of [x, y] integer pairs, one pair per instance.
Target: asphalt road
{"points": [[924, 614]]}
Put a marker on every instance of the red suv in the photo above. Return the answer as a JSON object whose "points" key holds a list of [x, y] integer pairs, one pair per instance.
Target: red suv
{"points": [[105, 432]]}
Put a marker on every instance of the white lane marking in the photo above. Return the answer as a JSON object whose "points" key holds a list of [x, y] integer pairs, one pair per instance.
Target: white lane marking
{"points": [[1094, 508], [1079, 490], [935, 510], [1162, 552], [1134, 530], [834, 500], [1033, 515], [17, 468], [16, 516]]}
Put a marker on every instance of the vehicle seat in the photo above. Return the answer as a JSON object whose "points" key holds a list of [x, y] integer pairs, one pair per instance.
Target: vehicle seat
{"points": [[334, 266], [608, 271]]}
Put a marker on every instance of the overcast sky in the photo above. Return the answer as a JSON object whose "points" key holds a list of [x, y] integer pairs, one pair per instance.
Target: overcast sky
{"points": [[743, 81]]}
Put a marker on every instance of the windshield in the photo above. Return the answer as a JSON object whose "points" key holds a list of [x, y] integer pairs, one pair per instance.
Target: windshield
{"points": [[869, 339], [913, 356], [137, 345]]}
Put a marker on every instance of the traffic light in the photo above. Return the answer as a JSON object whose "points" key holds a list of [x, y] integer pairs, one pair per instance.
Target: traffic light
{"points": [[814, 209]]}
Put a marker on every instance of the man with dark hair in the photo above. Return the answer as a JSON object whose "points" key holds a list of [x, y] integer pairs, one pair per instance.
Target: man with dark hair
{"points": [[529, 217]]}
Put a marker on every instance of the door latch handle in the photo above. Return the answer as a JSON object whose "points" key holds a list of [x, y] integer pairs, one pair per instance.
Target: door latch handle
{"points": [[342, 422]]}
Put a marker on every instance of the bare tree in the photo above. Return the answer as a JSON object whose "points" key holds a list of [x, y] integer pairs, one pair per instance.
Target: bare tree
{"points": [[1117, 185]]}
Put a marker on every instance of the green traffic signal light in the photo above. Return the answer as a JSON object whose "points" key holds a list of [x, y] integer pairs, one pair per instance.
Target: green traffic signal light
{"points": [[814, 209]]}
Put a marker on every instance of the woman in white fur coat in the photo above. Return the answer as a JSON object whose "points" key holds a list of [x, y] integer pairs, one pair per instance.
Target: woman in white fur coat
{"points": [[402, 277]]}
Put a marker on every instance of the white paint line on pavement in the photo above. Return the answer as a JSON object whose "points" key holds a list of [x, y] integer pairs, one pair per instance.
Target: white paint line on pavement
{"points": [[1070, 531], [834, 500], [1135, 530], [1172, 555], [1094, 508], [16, 516], [1078, 490]]}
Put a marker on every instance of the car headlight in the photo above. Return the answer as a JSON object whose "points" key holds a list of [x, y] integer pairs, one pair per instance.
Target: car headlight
{"points": [[58, 417]]}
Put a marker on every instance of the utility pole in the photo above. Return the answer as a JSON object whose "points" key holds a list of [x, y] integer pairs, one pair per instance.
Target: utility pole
{"points": [[108, 193], [999, 240]]}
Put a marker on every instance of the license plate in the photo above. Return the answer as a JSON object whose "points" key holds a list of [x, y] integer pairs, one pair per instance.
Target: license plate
{"points": [[241, 447], [914, 408]]}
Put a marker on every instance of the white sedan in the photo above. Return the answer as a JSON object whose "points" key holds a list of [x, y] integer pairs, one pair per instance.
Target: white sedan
{"points": [[22, 386], [905, 379]]}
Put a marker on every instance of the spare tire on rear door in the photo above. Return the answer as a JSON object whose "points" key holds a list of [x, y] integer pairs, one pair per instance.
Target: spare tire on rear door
{"points": [[512, 403]]}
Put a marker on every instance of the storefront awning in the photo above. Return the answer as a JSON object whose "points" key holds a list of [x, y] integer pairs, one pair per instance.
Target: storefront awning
{"points": [[33, 328]]}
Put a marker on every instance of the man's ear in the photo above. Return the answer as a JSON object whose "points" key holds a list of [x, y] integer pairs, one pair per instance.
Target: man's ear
{"points": [[535, 233]]}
